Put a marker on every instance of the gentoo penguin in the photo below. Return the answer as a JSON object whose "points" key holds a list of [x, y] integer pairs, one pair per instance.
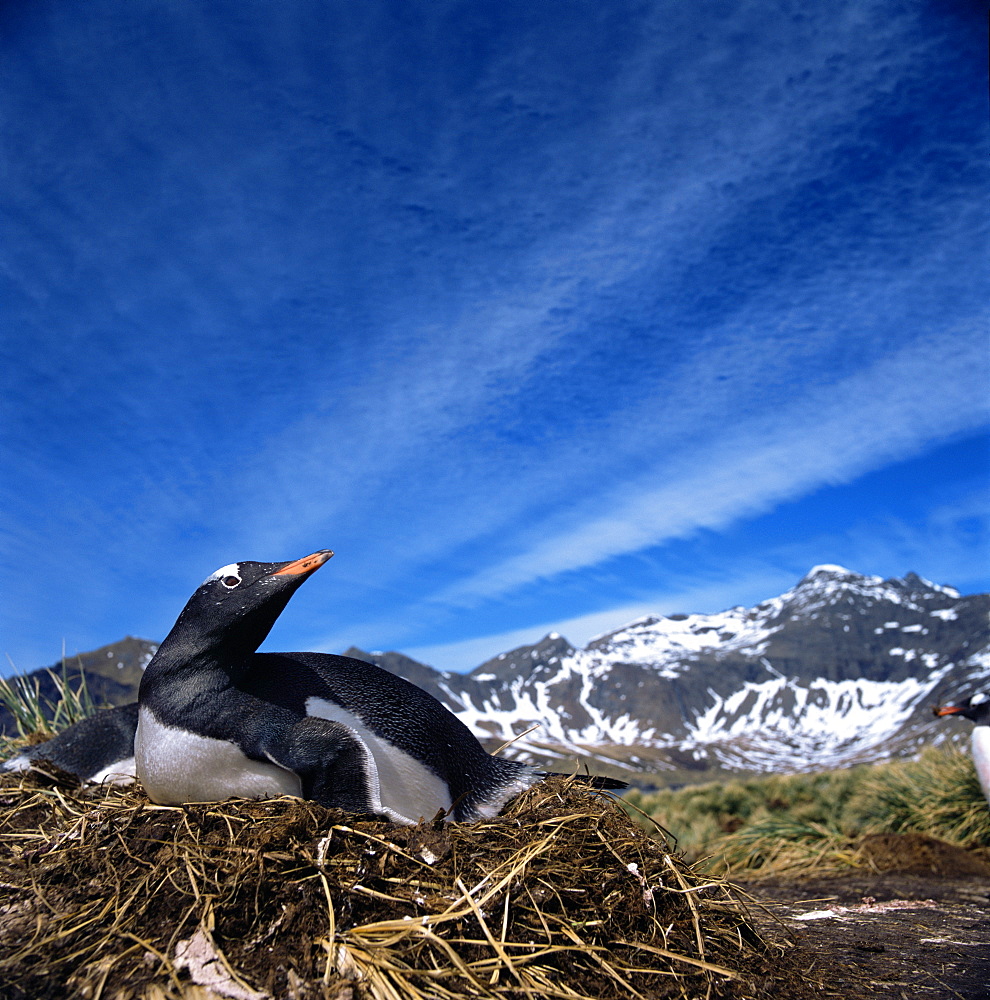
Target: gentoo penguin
{"points": [[218, 719], [976, 708], [98, 748]]}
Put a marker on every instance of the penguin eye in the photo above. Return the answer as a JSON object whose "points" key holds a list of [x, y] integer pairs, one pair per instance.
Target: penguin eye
{"points": [[230, 581]]}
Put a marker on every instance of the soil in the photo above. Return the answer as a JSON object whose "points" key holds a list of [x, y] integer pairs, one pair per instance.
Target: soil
{"points": [[915, 925], [103, 894]]}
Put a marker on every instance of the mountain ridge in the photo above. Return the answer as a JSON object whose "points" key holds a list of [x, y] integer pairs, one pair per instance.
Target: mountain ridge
{"points": [[834, 671], [837, 670]]}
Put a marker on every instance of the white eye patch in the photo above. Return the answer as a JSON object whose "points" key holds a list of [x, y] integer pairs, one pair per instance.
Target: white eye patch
{"points": [[231, 572], [979, 698]]}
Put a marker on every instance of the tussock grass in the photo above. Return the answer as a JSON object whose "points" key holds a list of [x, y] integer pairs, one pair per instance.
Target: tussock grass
{"points": [[38, 717], [788, 823], [700, 816], [938, 794]]}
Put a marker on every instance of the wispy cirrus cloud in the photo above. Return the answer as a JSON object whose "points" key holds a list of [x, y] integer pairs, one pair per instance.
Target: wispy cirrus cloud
{"points": [[484, 302], [826, 435], [944, 544]]}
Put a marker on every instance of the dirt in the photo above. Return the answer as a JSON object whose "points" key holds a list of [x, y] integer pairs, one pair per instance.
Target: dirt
{"points": [[915, 925], [103, 894]]}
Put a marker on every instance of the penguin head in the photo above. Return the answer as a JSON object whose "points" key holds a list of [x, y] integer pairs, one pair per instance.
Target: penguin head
{"points": [[975, 708], [234, 609]]}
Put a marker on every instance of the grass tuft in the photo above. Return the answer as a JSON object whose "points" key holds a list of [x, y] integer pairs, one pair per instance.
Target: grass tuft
{"points": [[784, 823], [38, 716], [938, 794]]}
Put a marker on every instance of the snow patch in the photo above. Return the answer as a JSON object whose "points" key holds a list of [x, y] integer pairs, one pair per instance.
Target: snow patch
{"points": [[946, 614]]}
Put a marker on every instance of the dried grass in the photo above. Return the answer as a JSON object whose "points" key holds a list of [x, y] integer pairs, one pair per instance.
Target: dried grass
{"points": [[786, 826], [108, 895]]}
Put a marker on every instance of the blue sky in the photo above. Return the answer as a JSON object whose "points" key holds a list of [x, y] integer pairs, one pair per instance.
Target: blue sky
{"points": [[543, 316]]}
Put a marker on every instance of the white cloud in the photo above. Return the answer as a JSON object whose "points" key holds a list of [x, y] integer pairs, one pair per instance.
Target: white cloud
{"points": [[739, 584], [940, 548], [441, 370], [385, 444], [542, 237], [949, 545], [895, 407]]}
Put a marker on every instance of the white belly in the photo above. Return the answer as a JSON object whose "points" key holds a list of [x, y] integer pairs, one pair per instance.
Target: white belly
{"points": [[178, 766], [400, 786], [981, 757], [21, 763], [121, 773]]}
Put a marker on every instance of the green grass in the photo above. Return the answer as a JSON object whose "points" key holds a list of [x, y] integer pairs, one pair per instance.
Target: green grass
{"points": [[798, 820], [701, 815], [938, 794], [35, 714]]}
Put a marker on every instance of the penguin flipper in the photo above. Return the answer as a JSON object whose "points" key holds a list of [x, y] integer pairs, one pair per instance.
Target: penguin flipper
{"points": [[334, 766]]}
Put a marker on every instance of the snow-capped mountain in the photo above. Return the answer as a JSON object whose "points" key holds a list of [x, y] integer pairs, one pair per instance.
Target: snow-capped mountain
{"points": [[839, 669]]}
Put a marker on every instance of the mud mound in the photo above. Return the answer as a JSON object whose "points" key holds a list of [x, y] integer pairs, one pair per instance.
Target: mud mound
{"points": [[107, 895], [918, 853]]}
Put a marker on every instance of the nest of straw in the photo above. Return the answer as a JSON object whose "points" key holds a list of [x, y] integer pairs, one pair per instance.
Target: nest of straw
{"points": [[107, 895]]}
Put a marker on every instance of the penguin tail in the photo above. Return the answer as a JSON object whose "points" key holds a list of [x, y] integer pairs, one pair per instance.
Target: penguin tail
{"points": [[598, 781]]}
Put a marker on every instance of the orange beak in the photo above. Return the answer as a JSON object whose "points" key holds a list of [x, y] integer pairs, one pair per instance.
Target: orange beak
{"points": [[948, 710], [308, 564]]}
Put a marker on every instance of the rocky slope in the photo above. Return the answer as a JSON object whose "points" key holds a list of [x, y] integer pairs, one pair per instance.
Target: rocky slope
{"points": [[840, 669]]}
